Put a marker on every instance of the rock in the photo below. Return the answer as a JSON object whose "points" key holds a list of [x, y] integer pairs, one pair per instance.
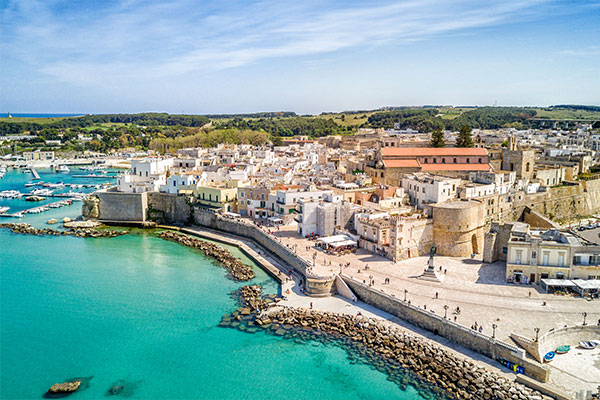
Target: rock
{"points": [[115, 390], [35, 198], [66, 387], [237, 270], [66, 219], [52, 221]]}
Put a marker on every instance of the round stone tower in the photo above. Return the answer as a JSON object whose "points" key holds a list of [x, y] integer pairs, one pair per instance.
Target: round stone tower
{"points": [[458, 228]]}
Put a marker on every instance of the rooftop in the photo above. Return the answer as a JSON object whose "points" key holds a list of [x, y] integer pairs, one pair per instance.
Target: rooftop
{"points": [[432, 151]]}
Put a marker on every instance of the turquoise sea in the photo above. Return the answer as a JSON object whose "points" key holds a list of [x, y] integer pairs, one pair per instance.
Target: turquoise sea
{"points": [[142, 312]]}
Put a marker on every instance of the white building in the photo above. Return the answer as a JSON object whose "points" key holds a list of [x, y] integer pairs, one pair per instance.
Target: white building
{"points": [[177, 182], [426, 189], [146, 175]]}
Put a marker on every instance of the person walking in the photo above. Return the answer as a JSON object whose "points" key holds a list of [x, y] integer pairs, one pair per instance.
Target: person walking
{"points": [[311, 305], [436, 295]]}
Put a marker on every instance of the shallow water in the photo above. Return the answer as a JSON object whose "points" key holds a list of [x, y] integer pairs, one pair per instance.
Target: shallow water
{"points": [[141, 312]]}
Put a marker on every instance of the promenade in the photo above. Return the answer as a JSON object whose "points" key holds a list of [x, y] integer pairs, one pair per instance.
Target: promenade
{"points": [[295, 297]]}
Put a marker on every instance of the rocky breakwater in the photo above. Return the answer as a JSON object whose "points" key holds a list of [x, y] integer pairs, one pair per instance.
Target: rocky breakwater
{"points": [[252, 311], [237, 270], [459, 378], [27, 229]]}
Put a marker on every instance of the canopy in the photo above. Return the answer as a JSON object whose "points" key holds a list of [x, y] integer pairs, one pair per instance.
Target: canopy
{"points": [[333, 239], [548, 283], [341, 243]]}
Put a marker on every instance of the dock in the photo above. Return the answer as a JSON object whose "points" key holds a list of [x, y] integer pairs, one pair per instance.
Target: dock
{"points": [[36, 176], [94, 176]]}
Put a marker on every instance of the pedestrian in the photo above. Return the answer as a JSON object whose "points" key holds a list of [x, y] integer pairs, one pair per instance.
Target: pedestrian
{"points": [[530, 293], [436, 295], [455, 318], [440, 268], [445, 271], [480, 328], [311, 305], [425, 306]]}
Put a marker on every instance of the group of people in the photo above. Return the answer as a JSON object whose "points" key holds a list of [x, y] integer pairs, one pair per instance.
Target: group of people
{"points": [[476, 327]]}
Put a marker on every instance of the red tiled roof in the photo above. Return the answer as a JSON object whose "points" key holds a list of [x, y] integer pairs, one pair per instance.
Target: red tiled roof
{"points": [[455, 167], [401, 163], [432, 151]]}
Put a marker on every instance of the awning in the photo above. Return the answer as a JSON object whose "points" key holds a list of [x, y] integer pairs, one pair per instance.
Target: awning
{"points": [[343, 243], [558, 282]]}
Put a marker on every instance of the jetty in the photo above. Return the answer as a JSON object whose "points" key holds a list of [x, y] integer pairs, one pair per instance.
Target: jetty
{"points": [[36, 176], [94, 176]]}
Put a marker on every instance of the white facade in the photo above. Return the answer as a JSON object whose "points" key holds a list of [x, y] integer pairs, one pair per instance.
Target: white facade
{"points": [[176, 182], [146, 175], [425, 189]]}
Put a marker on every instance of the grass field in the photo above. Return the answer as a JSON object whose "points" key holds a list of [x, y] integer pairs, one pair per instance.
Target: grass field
{"points": [[348, 119]]}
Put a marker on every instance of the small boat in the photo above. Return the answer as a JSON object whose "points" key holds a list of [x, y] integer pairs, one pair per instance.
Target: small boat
{"points": [[587, 345], [549, 356], [563, 349], [62, 168]]}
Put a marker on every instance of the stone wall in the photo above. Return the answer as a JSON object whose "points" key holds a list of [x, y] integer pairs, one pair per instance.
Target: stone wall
{"points": [[169, 208], [316, 286], [119, 206], [458, 228], [457, 333], [570, 335], [537, 220]]}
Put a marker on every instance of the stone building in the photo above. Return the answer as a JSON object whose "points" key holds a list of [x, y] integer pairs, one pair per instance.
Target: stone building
{"points": [[458, 227], [520, 161]]}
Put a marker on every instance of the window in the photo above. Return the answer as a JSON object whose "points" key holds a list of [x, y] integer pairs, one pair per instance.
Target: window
{"points": [[479, 161], [519, 254], [545, 258], [435, 161], [533, 254], [443, 161], [468, 161], [561, 259], [454, 160]]}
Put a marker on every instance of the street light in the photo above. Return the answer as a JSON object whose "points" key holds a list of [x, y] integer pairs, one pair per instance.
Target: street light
{"points": [[445, 311], [584, 315], [494, 326], [537, 331], [405, 292]]}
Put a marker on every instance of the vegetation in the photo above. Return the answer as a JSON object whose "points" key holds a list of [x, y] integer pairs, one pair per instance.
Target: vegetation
{"points": [[209, 139], [437, 138], [464, 138], [310, 126]]}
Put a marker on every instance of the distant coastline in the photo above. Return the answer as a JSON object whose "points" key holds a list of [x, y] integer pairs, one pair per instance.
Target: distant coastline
{"points": [[5, 115]]}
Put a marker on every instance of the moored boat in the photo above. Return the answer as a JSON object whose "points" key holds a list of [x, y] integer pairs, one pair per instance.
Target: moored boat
{"points": [[587, 345], [563, 349], [549, 356]]}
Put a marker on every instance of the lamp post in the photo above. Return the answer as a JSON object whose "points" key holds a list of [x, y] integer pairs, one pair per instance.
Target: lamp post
{"points": [[537, 331], [584, 316], [494, 326], [445, 311], [405, 292], [315, 259]]}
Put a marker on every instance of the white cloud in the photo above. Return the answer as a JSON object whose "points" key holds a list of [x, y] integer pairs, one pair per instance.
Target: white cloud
{"points": [[137, 40]]}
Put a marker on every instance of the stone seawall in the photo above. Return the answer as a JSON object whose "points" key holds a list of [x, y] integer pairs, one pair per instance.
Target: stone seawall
{"points": [[118, 206], [437, 324], [570, 335], [315, 286]]}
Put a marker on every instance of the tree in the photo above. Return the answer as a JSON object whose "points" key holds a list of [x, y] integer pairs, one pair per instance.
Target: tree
{"points": [[464, 137], [437, 138]]}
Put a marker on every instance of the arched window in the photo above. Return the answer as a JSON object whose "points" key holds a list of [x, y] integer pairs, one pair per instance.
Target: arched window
{"points": [[468, 160], [479, 161], [443, 161], [512, 166], [435, 160], [454, 160]]}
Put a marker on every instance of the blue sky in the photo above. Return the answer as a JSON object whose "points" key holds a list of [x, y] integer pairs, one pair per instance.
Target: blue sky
{"points": [[307, 56]]}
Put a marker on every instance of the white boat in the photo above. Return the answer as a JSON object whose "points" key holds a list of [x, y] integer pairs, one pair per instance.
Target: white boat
{"points": [[62, 168], [4, 209], [10, 194], [41, 192]]}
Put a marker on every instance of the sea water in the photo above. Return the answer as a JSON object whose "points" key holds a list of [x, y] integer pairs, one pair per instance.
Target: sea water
{"points": [[141, 312]]}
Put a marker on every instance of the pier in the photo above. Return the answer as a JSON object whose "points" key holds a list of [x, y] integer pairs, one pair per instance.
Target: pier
{"points": [[36, 176]]}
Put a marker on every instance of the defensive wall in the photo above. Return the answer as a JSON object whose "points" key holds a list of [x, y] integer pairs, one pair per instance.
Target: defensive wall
{"points": [[119, 206], [316, 286], [457, 333]]}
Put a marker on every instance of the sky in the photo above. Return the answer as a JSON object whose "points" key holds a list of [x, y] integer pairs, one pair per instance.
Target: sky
{"points": [[308, 56]]}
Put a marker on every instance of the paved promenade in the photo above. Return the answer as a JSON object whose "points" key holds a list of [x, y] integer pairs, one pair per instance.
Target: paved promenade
{"points": [[473, 300]]}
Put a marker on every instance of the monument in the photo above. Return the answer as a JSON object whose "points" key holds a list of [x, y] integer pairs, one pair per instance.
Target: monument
{"points": [[429, 273]]}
